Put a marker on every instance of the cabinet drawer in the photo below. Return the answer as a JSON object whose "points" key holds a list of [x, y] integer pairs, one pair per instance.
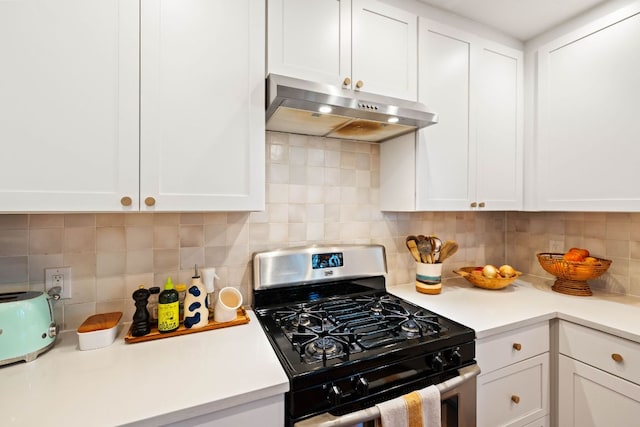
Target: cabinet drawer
{"points": [[612, 354], [515, 395], [501, 350], [542, 422]]}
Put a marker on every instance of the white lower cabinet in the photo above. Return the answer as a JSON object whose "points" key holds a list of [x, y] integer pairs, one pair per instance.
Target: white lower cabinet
{"points": [[542, 422], [598, 376], [591, 397], [513, 389], [268, 412]]}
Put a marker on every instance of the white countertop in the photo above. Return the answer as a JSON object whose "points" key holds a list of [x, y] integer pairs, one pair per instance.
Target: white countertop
{"points": [[137, 383], [528, 300], [133, 383]]}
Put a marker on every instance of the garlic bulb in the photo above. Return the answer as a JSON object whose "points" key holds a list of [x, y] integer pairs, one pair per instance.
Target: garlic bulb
{"points": [[490, 271], [507, 271]]}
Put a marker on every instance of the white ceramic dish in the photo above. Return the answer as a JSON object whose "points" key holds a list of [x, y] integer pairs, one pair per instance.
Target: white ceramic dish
{"points": [[102, 337]]}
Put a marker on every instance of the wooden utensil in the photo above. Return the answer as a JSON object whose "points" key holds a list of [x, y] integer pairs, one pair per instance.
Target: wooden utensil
{"points": [[412, 245], [449, 248]]}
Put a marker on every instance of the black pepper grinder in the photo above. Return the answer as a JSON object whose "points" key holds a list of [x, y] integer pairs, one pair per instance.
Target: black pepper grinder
{"points": [[141, 320]]}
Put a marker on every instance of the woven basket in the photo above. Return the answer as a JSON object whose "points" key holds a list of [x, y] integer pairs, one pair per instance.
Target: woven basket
{"points": [[483, 282], [572, 276]]}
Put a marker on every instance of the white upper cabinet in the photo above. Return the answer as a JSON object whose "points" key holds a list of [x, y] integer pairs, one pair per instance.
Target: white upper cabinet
{"points": [[310, 39], [357, 44], [384, 50], [499, 128], [586, 152], [92, 119], [68, 105], [473, 157], [202, 105], [443, 154]]}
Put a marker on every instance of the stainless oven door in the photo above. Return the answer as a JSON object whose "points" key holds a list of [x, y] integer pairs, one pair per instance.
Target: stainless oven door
{"points": [[458, 397]]}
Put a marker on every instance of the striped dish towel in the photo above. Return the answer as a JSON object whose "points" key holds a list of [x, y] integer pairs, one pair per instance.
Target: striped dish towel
{"points": [[417, 409]]}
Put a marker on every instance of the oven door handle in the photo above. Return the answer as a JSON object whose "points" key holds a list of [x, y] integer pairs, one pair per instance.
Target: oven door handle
{"points": [[372, 413]]}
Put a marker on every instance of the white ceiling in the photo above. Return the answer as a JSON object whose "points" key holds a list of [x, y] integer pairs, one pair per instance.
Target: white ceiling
{"points": [[522, 19]]}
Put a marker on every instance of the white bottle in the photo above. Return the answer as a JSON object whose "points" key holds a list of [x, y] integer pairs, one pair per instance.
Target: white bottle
{"points": [[196, 312], [208, 277]]}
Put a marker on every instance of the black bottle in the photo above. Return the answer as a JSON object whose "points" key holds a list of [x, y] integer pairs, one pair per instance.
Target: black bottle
{"points": [[141, 320]]}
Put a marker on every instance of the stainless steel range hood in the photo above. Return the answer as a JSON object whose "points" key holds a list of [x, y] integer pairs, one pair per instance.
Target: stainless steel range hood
{"points": [[307, 108]]}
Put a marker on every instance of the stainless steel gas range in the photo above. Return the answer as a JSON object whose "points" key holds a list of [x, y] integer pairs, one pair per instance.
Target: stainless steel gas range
{"points": [[346, 344]]}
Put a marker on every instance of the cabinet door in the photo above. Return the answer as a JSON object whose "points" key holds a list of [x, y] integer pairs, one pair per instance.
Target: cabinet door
{"points": [[588, 108], [384, 49], [514, 395], [202, 104], [310, 39], [499, 145], [69, 105], [270, 411], [442, 151], [590, 397]]}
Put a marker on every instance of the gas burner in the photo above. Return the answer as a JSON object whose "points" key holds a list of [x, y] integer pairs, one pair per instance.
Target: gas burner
{"points": [[303, 319], [322, 344], [410, 327], [376, 308], [299, 318], [419, 324], [382, 306], [323, 347]]}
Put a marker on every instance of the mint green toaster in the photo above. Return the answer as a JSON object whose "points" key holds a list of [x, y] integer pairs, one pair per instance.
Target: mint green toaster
{"points": [[27, 327]]}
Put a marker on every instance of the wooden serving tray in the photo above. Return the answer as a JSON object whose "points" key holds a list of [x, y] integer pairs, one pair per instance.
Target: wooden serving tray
{"points": [[241, 319]]}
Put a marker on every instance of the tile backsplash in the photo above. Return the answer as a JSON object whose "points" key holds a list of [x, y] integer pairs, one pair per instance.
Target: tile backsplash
{"points": [[318, 191]]}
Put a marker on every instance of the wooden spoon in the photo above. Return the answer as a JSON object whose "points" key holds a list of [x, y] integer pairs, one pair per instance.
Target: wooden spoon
{"points": [[449, 248], [411, 242]]}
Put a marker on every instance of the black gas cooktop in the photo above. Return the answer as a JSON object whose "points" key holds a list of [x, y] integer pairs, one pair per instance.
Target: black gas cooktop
{"points": [[335, 330]]}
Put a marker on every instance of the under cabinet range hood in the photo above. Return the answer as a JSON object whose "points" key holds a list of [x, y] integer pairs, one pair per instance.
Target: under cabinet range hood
{"points": [[308, 108]]}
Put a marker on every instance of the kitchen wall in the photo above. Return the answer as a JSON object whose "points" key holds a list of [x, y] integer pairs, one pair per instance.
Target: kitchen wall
{"points": [[318, 191], [615, 236]]}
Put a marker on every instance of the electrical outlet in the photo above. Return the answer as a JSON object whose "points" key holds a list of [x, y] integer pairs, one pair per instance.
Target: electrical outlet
{"points": [[556, 246], [58, 276]]}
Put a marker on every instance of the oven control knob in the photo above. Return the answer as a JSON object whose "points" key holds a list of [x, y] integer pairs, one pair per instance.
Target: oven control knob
{"points": [[437, 364], [455, 358], [334, 394], [361, 385]]}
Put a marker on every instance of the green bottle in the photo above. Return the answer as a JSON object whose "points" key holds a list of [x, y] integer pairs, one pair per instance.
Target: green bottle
{"points": [[168, 308]]}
